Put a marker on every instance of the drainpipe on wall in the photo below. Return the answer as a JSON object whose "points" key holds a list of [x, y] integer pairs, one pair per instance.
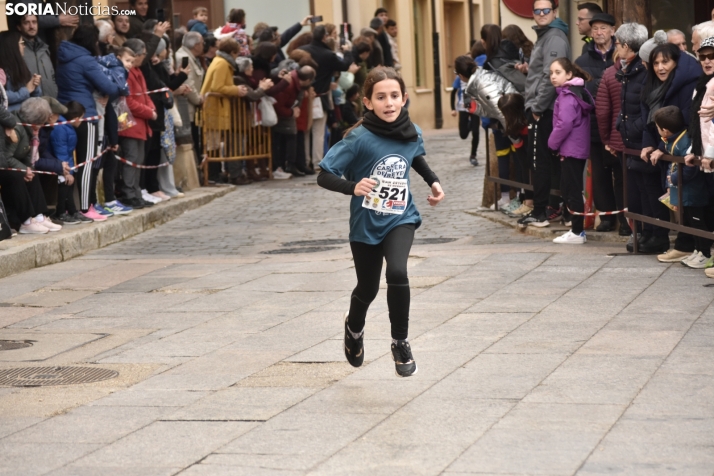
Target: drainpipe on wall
{"points": [[438, 115]]}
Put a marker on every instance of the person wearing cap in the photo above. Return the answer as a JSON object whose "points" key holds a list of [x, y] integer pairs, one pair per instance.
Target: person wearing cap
{"points": [[606, 168], [376, 56]]}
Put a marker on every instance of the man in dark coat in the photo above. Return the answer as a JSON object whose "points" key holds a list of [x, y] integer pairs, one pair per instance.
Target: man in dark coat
{"points": [[605, 166]]}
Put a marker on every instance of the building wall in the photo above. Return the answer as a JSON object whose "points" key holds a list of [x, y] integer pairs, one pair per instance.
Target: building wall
{"points": [[273, 12]]}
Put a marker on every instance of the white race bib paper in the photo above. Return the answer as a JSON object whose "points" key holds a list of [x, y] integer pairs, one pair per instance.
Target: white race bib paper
{"points": [[389, 196]]}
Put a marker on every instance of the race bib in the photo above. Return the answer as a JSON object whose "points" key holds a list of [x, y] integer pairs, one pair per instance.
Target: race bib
{"points": [[389, 196]]}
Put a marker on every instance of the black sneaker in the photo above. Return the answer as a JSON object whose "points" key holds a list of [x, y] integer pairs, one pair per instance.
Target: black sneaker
{"points": [[292, 169], [81, 218], [146, 203], [354, 348], [473, 160], [403, 360], [553, 214], [655, 245], [66, 219], [539, 221], [135, 203]]}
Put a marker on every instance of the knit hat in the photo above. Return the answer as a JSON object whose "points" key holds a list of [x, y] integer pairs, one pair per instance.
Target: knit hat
{"points": [[659, 38], [707, 43], [55, 106]]}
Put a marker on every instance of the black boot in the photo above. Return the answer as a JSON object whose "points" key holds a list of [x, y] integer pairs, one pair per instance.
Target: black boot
{"points": [[655, 245], [291, 169], [641, 239], [606, 224]]}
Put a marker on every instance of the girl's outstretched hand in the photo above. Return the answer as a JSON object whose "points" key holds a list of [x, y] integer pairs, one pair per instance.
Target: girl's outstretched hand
{"points": [[438, 194], [364, 187]]}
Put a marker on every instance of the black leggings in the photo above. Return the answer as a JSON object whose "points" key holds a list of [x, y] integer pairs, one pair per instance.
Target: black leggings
{"points": [[469, 123], [368, 265]]}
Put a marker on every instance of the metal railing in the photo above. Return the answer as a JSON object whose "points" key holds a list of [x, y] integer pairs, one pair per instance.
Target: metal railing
{"points": [[229, 133]]}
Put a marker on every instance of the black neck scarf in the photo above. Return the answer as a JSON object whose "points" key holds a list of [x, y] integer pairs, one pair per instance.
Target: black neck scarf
{"points": [[402, 129]]}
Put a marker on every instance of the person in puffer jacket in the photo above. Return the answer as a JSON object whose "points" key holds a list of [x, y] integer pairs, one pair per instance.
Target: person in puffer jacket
{"points": [[78, 76], [570, 139]]}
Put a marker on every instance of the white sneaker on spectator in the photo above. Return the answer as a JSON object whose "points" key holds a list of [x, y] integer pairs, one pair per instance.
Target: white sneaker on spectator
{"points": [[47, 223], [700, 262], [280, 174], [149, 197], [161, 195], [692, 256], [33, 228], [571, 238]]}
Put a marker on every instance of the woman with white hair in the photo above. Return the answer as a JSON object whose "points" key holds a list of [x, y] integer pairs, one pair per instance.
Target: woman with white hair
{"points": [[23, 154], [629, 38]]}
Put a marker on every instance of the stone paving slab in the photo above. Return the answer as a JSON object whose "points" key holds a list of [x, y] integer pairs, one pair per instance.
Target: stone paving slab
{"points": [[533, 358]]}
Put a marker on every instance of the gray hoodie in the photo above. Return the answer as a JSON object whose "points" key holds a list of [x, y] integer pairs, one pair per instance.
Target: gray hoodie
{"points": [[552, 43], [37, 57]]}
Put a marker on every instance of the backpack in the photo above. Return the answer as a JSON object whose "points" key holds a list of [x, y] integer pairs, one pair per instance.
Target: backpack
{"points": [[515, 77]]}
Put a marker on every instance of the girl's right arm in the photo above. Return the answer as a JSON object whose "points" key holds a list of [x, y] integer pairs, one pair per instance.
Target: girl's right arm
{"points": [[333, 166]]}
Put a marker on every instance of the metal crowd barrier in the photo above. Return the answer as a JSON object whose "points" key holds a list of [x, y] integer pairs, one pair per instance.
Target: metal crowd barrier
{"points": [[636, 217], [229, 133]]}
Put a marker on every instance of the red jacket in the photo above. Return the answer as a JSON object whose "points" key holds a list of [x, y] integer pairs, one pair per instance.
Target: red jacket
{"points": [[305, 107], [607, 108], [140, 105], [286, 98]]}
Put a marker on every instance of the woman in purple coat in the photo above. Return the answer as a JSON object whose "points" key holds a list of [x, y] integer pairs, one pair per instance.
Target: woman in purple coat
{"points": [[570, 139]]}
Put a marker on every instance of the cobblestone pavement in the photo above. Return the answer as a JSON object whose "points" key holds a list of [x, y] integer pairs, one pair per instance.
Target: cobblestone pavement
{"points": [[224, 326]]}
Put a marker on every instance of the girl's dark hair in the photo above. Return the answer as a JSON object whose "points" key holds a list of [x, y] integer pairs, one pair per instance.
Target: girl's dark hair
{"points": [[74, 110], [236, 15], [12, 61], [465, 66], [361, 47], [491, 36], [570, 67], [513, 108], [87, 36], [477, 50], [668, 52], [265, 50], [380, 73], [515, 35], [300, 40]]}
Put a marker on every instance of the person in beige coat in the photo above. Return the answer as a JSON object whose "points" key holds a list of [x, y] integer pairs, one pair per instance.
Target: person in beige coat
{"points": [[192, 48]]}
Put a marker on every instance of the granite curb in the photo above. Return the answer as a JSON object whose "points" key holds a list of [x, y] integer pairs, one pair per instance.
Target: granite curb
{"points": [[24, 252], [547, 233]]}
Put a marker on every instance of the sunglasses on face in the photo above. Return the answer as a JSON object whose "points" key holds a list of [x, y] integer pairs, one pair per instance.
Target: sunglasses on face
{"points": [[706, 56], [542, 11]]}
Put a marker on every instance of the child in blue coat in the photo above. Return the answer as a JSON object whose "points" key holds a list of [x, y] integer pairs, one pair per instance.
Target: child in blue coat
{"points": [[695, 191], [63, 142]]}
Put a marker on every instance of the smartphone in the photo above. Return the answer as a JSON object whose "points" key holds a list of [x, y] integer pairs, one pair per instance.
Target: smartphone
{"points": [[316, 19], [184, 62], [160, 15]]}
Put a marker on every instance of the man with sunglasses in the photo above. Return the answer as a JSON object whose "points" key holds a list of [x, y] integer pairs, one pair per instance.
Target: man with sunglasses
{"points": [[540, 96]]}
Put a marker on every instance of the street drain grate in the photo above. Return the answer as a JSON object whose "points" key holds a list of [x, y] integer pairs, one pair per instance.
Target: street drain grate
{"points": [[433, 241], [49, 376], [307, 249], [15, 344], [316, 243]]}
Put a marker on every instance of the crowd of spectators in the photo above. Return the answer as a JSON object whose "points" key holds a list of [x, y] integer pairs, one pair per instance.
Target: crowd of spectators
{"points": [[92, 122], [626, 100]]}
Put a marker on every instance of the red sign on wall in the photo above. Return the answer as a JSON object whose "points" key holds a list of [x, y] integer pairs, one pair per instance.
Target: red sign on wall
{"points": [[522, 8]]}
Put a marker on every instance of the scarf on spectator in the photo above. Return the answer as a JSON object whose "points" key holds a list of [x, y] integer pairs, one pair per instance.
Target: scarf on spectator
{"points": [[695, 126], [655, 98], [402, 129], [228, 58]]}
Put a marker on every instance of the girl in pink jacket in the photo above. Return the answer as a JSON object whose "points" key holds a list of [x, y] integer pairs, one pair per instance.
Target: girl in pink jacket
{"points": [[570, 139]]}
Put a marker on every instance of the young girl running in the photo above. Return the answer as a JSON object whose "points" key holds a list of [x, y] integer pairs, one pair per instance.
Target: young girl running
{"points": [[375, 157], [571, 139]]}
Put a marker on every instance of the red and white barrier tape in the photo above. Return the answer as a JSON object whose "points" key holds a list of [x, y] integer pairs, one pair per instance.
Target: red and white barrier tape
{"points": [[137, 166], [614, 212], [161, 90], [93, 159], [61, 123]]}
